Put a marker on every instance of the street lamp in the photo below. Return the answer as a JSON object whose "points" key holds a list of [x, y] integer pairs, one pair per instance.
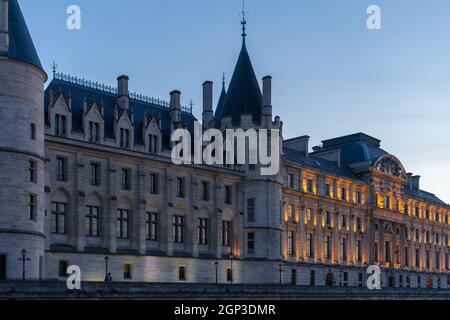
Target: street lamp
{"points": [[24, 259], [106, 267], [217, 275], [231, 267], [281, 273]]}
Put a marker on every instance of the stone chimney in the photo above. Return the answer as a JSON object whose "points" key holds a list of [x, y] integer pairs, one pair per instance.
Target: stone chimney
{"points": [[299, 144], [123, 98], [4, 35], [175, 106], [415, 183], [207, 104], [267, 99], [409, 179]]}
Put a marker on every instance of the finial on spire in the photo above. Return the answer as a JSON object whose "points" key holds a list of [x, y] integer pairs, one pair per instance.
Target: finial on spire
{"points": [[244, 20], [54, 68], [223, 78]]}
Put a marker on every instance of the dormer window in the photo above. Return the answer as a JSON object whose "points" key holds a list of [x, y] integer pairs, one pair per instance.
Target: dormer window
{"points": [[60, 125], [94, 132], [124, 138], [153, 143]]}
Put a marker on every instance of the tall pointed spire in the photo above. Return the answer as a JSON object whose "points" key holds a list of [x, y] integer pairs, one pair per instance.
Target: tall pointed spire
{"points": [[223, 94], [21, 45]]}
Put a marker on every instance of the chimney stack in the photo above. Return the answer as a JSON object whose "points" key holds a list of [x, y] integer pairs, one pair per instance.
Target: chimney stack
{"points": [[267, 100], [175, 106], [4, 32], [207, 103], [409, 179], [415, 182], [123, 98]]}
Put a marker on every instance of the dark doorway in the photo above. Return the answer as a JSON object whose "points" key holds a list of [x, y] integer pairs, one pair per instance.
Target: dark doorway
{"points": [[329, 280], [312, 278], [294, 277], [391, 282], [2, 267]]}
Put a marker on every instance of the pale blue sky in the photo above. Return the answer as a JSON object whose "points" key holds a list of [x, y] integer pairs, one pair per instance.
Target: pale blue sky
{"points": [[331, 75]]}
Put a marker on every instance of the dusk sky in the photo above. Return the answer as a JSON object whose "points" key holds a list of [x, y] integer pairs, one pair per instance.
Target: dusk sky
{"points": [[331, 75]]}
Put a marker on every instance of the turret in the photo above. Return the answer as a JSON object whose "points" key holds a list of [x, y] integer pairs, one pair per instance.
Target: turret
{"points": [[22, 198]]}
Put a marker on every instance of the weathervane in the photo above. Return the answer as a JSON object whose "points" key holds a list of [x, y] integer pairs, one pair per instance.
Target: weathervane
{"points": [[244, 21], [54, 67]]}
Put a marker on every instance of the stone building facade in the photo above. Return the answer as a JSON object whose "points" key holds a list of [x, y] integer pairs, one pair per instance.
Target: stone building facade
{"points": [[88, 180]]}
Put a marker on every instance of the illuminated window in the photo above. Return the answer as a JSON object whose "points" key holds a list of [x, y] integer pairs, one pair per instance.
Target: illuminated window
{"points": [[310, 245], [290, 212], [358, 198], [291, 243], [127, 268], [310, 185], [309, 214]]}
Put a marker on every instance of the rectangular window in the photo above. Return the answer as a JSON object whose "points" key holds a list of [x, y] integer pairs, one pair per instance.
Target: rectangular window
{"points": [[387, 247], [310, 245], [61, 169], [32, 207], [57, 125], [250, 210], [33, 171], [358, 224], [406, 209], [95, 174], [226, 233], [178, 229], [344, 249], [125, 179], [92, 221], [343, 194], [182, 276], [358, 251], [417, 258], [228, 195], [358, 197], [127, 271], [151, 230], [123, 218], [344, 222], [327, 190], [202, 231], [33, 131], [328, 247], [152, 143], [309, 214], [375, 252], [124, 138], [427, 214], [291, 243], [94, 129], [406, 256], [387, 203], [59, 211], [290, 181], [229, 274], [328, 218], [63, 126], [205, 190], [180, 187], [154, 185], [291, 212], [62, 268], [310, 185], [251, 242], [417, 212]]}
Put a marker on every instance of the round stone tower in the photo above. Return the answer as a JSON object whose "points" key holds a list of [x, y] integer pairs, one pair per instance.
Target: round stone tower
{"points": [[21, 149]]}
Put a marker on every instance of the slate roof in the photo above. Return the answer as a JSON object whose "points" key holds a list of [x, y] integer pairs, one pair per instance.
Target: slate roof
{"points": [[79, 93], [219, 108], [317, 163], [244, 94], [425, 196], [21, 46], [355, 148]]}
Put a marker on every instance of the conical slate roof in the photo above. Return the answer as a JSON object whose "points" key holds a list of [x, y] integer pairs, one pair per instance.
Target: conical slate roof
{"points": [[21, 45], [219, 108], [244, 95]]}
